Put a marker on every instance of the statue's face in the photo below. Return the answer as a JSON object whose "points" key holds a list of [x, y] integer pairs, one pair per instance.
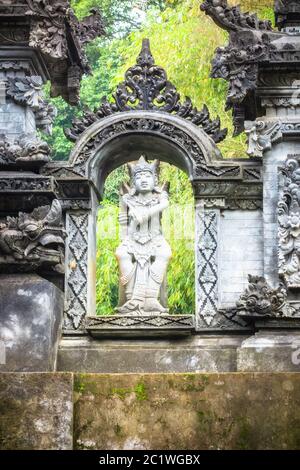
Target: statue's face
{"points": [[144, 181]]}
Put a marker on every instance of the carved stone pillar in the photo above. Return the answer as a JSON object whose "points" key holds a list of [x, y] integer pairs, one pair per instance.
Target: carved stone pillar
{"points": [[262, 66], [40, 41], [76, 289], [207, 216], [228, 241], [274, 137]]}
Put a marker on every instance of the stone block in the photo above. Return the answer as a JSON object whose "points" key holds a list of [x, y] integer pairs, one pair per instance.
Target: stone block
{"points": [[192, 354], [269, 351], [36, 411], [31, 310]]}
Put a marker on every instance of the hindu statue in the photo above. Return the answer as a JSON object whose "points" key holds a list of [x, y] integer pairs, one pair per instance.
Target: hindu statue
{"points": [[143, 254]]}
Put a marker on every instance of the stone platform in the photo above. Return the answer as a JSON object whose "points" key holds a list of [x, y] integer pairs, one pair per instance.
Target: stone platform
{"points": [[149, 411], [196, 353]]}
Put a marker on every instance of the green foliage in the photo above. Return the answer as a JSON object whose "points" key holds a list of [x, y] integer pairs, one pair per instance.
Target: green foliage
{"points": [[107, 278]]}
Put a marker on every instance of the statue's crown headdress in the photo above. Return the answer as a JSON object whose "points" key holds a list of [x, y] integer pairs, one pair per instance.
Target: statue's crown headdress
{"points": [[143, 165]]}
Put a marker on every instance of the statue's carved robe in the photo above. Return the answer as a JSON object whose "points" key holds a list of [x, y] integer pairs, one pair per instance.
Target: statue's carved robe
{"points": [[143, 241]]}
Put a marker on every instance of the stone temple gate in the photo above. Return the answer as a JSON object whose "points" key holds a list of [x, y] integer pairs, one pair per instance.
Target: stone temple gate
{"points": [[247, 211]]}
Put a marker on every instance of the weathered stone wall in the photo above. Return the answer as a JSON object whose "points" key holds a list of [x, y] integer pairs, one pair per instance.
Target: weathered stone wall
{"points": [[36, 411], [31, 320], [150, 411]]}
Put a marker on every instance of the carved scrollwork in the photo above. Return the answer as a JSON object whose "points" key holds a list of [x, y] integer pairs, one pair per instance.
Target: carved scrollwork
{"points": [[289, 223], [28, 92], [259, 300], [27, 151], [52, 28], [231, 18], [89, 27], [261, 136], [238, 64], [32, 241], [26, 184], [201, 169], [146, 87], [253, 47], [49, 32]]}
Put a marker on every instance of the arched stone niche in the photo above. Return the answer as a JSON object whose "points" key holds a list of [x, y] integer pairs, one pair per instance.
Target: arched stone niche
{"points": [[121, 138], [180, 135]]}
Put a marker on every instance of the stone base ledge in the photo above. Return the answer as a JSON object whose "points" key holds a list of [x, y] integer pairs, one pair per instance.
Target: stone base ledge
{"points": [[194, 353], [128, 326]]}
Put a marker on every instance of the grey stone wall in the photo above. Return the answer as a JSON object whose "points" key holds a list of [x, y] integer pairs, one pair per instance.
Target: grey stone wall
{"points": [[240, 253]]}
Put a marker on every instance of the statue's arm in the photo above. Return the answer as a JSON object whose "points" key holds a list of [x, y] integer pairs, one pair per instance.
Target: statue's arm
{"points": [[163, 204], [123, 210]]}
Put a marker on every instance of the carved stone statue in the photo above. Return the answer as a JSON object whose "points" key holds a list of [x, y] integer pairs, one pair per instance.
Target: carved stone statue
{"points": [[33, 240], [144, 253]]}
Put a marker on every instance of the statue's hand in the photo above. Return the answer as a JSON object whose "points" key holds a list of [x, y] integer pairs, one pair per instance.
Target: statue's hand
{"points": [[137, 215]]}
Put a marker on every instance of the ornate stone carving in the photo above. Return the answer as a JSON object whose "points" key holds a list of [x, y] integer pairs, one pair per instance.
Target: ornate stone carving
{"points": [[144, 253], [231, 204], [289, 223], [238, 64], [76, 272], [212, 203], [28, 92], [261, 136], [146, 87], [52, 29], [261, 301], [89, 27], [207, 264], [169, 131], [231, 190], [99, 326], [75, 204], [10, 67], [49, 31], [252, 174], [27, 152], [253, 47], [244, 204], [14, 183], [231, 18], [32, 241]]}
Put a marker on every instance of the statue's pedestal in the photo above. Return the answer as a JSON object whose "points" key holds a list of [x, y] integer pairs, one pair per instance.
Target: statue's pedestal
{"points": [[31, 310], [270, 350], [137, 326], [194, 353]]}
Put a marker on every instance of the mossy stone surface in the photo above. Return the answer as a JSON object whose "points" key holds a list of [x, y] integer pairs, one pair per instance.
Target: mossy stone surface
{"points": [[150, 411], [36, 411], [187, 411]]}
